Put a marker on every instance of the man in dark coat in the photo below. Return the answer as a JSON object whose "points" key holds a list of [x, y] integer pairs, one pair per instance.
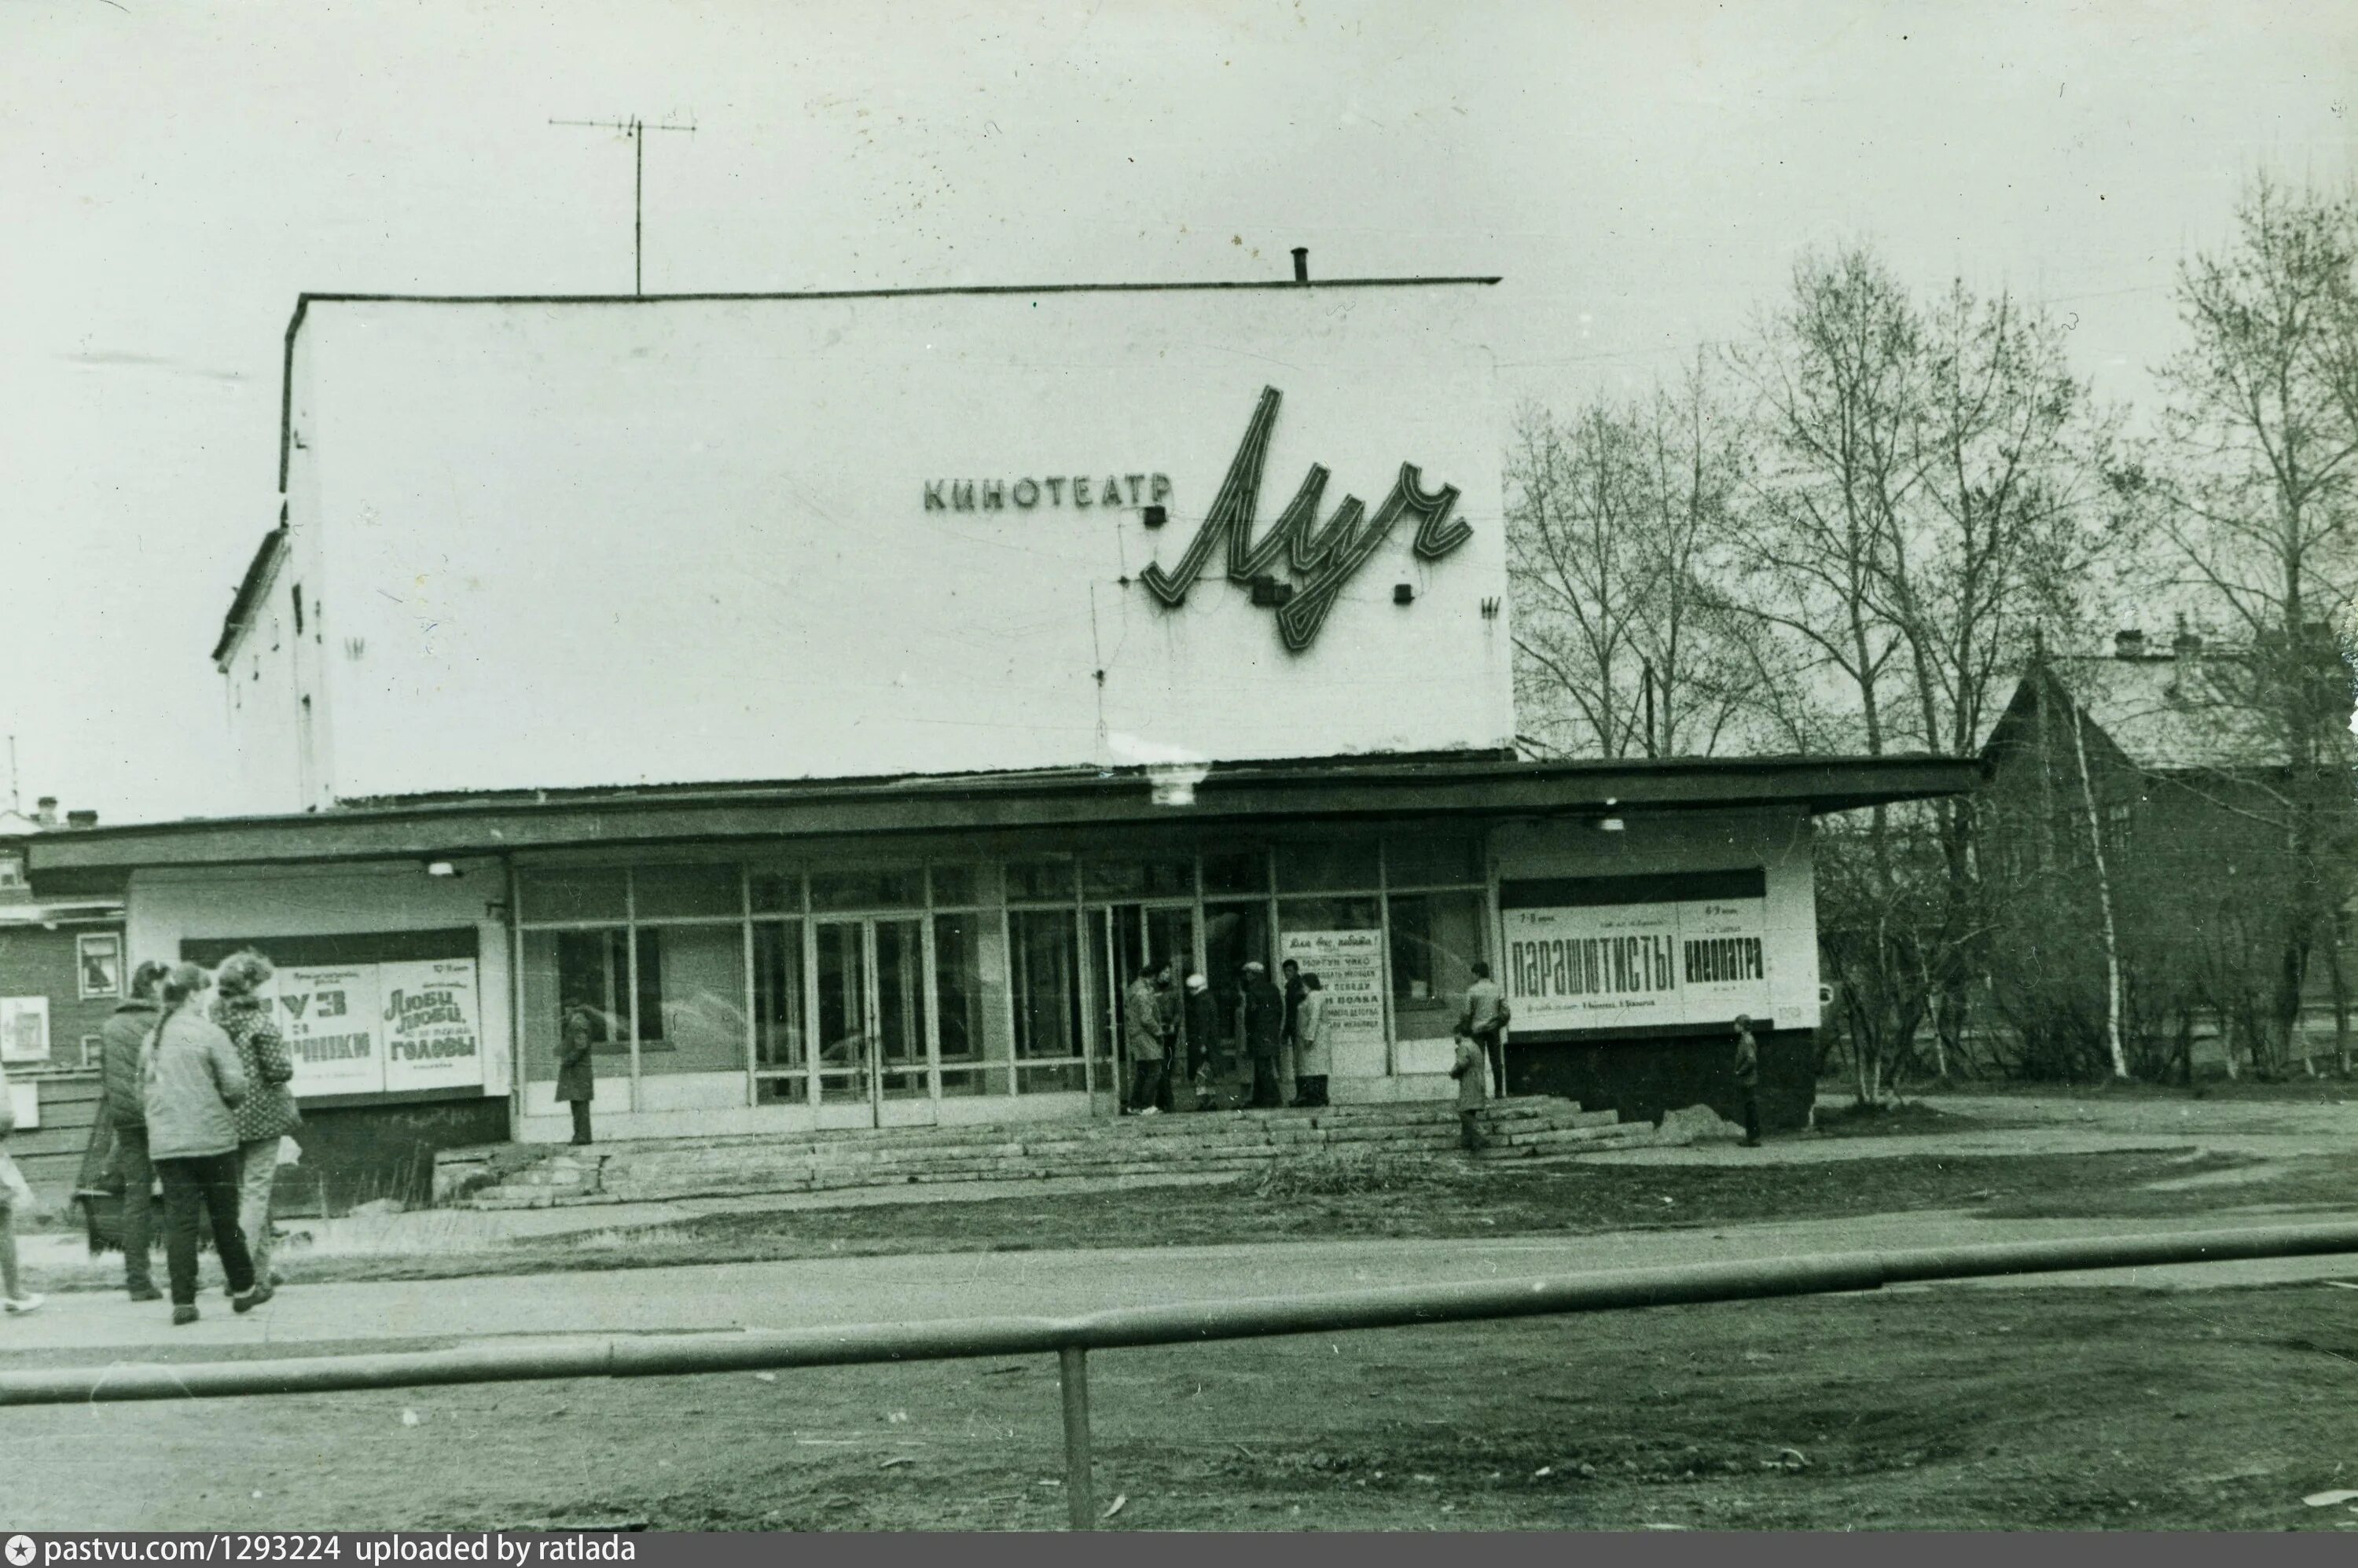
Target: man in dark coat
{"points": [[1202, 1022], [1748, 1081], [121, 1039], [577, 1083], [1264, 1032]]}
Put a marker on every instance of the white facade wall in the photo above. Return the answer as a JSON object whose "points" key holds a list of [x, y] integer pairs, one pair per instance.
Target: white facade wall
{"points": [[262, 696], [168, 906], [1776, 841], [618, 543]]}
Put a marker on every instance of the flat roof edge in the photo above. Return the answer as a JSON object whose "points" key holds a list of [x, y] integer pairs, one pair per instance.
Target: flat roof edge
{"points": [[304, 301], [990, 803]]}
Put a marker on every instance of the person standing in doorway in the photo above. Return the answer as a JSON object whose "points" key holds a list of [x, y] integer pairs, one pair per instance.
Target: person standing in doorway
{"points": [[1311, 1055], [1290, 974], [121, 1041], [1201, 1022], [1485, 1020], [192, 1079], [577, 1082], [1748, 1080], [1166, 1025], [267, 1116], [1264, 1032], [1142, 1037], [14, 1296]]}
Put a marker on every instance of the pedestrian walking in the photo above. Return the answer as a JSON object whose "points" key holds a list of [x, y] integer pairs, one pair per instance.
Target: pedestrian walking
{"points": [[122, 1040], [193, 1080], [577, 1083], [1201, 1022], [1265, 1031], [1312, 1052], [1142, 1027], [1472, 1070], [267, 1116], [14, 1193], [1748, 1080]]}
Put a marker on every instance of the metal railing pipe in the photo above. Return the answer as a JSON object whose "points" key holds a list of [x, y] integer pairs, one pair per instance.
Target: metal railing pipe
{"points": [[672, 1355]]}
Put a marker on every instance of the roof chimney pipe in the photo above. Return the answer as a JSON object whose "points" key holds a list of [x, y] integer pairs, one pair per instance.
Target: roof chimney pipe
{"points": [[1302, 263], [2129, 644], [82, 819], [45, 811]]}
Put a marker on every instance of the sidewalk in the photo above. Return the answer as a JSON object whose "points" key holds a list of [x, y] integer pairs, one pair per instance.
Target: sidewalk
{"points": [[810, 1292]]}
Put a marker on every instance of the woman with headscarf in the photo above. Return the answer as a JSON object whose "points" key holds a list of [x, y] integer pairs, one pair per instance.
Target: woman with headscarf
{"points": [[193, 1080], [268, 1114]]}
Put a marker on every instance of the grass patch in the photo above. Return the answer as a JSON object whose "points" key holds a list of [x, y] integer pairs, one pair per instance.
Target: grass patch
{"points": [[1377, 1198], [1381, 1197]]}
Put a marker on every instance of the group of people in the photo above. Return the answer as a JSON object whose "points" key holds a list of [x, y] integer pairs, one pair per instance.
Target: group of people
{"points": [[196, 1092], [1175, 1039]]}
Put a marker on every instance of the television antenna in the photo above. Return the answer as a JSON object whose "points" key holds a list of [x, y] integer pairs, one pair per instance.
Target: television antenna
{"points": [[636, 129]]}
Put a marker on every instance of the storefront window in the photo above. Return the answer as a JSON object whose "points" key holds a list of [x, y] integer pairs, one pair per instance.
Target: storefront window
{"points": [[1046, 981], [1040, 881], [1436, 937], [780, 1043], [969, 954], [659, 892], [1236, 872], [777, 892], [1433, 859], [1327, 865], [573, 895], [900, 888], [1138, 879], [582, 975], [691, 999], [1233, 934]]}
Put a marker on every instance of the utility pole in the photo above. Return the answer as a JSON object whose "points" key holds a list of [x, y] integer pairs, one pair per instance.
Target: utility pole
{"points": [[12, 804], [636, 129]]}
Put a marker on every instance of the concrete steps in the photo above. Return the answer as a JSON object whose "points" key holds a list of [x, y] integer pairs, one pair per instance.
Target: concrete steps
{"points": [[656, 1170]]}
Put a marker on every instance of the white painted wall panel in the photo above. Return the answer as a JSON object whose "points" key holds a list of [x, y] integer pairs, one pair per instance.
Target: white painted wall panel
{"points": [[586, 545]]}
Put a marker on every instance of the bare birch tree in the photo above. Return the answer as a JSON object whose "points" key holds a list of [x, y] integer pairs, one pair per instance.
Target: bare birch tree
{"points": [[1618, 519], [2256, 484]]}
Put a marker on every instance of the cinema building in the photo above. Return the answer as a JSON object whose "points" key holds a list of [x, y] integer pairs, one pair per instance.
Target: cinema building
{"points": [[832, 699]]}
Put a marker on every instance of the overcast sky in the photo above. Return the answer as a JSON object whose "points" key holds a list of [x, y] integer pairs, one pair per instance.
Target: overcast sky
{"points": [[171, 175]]}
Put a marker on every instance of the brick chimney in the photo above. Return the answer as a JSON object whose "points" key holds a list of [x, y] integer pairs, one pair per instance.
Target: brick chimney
{"points": [[2128, 644], [82, 819], [45, 811]]}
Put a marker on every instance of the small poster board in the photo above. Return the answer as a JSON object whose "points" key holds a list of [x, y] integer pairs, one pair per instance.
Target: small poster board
{"points": [[24, 1029]]}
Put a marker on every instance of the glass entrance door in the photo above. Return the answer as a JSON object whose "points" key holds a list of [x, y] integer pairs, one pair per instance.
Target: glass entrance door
{"points": [[1123, 939], [875, 1065]]}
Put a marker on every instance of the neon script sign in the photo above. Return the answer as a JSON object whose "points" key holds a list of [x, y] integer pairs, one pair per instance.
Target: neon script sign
{"points": [[1325, 557]]}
